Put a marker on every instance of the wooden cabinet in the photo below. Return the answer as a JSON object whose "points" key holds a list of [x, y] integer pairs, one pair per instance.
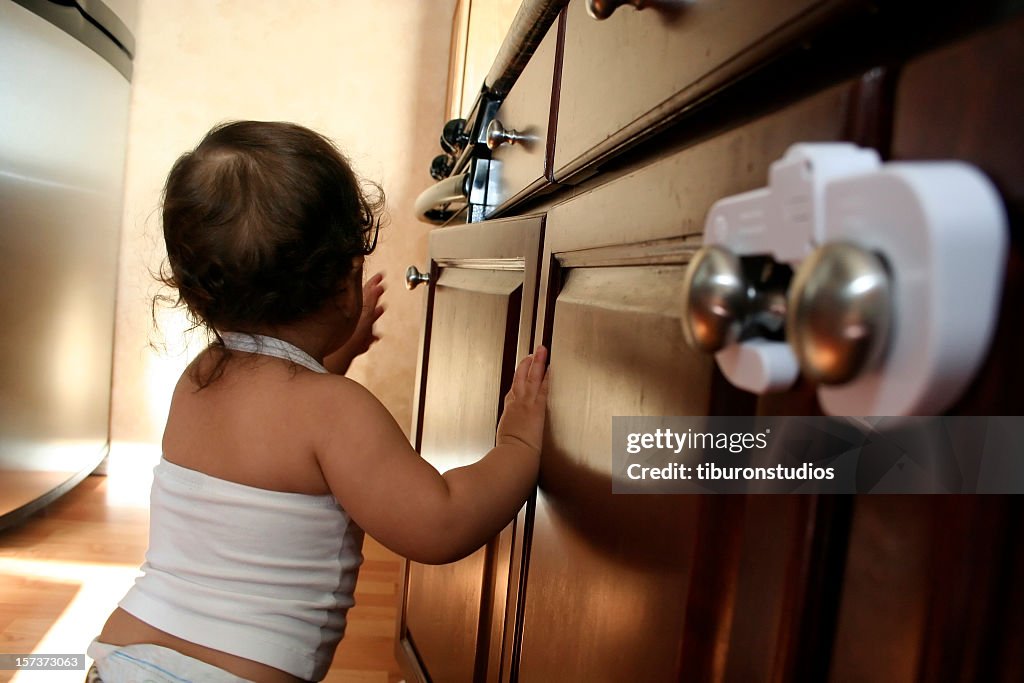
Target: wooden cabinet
{"points": [[662, 573], [928, 591], [587, 585], [479, 324]]}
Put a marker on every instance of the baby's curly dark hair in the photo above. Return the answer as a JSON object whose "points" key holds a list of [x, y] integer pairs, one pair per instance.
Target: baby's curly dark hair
{"points": [[262, 221]]}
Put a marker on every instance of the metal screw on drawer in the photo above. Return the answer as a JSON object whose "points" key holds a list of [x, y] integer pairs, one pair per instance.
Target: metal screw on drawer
{"points": [[602, 9], [840, 311], [414, 278], [498, 135]]}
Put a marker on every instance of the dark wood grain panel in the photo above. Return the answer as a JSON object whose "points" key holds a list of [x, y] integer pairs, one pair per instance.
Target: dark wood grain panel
{"points": [[930, 587], [602, 563], [884, 607], [1007, 654], [479, 321], [737, 583], [966, 102], [444, 603], [930, 590], [770, 540]]}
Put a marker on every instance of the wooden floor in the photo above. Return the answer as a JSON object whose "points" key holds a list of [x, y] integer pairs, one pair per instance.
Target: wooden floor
{"points": [[63, 571]]}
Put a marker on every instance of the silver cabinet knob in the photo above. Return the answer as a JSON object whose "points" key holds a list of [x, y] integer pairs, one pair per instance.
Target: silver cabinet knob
{"points": [[602, 9], [414, 278], [498, 135], [714, 299], [840, 312]]}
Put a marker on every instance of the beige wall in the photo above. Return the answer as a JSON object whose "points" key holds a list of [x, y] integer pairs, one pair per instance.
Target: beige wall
{"points": [[370, 75]]}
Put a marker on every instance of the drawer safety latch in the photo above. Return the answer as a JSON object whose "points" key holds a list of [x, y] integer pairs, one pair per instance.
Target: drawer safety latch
{"points": [[878, 281]]}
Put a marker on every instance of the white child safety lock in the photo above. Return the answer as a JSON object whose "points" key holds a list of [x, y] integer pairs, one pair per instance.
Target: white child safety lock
{"points": [[881, 282]]}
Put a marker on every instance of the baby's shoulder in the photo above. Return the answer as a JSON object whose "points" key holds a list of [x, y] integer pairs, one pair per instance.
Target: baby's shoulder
{"points": [[339, 385], [343, 411], [337, 396]]}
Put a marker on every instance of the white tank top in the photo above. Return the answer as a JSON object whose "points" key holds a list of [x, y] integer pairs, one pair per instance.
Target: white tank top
{"points": [[264, 575]]}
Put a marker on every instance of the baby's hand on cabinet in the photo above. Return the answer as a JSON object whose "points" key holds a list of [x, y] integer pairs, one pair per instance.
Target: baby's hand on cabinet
{"points": [[522, 421]]}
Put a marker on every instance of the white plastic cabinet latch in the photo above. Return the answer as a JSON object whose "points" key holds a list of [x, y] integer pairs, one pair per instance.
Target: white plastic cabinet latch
{"points": [[939, 230]]}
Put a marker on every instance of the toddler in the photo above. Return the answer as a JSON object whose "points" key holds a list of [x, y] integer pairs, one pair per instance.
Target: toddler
{"points": [[273, 462]]}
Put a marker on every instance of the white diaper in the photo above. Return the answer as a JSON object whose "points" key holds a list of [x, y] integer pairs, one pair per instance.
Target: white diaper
{"points": [[153, 664]]}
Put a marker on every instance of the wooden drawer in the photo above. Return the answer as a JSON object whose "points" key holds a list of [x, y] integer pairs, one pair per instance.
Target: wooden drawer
{"points": [[521, 168], [625, 75]]}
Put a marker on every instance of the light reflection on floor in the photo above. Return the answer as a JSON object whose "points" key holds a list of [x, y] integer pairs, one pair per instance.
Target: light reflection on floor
{"points": [[100, 587], [79, 532]]}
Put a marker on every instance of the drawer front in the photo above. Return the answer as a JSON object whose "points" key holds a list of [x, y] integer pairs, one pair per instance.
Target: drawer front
{"points": [[521, 166], [627, 73]]}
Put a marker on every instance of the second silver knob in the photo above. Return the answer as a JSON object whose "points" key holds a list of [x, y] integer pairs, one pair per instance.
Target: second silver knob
{"points": [[840, 312], [414, 278]]}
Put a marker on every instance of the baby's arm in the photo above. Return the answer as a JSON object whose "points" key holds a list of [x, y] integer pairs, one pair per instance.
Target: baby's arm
{"points": [[403, 502]]}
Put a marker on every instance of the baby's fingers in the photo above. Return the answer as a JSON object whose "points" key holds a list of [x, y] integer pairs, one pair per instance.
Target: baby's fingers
{"points": [[529, 376], [539, 366], [519, 379], [373, 288]]}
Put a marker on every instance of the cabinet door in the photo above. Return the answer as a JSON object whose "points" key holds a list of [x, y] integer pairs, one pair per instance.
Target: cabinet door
{"points": [[479, 323], [932, 583], [655, 587]]}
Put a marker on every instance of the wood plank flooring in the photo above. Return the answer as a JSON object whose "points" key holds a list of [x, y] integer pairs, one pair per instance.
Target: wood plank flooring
{"points": [[65, 568]]}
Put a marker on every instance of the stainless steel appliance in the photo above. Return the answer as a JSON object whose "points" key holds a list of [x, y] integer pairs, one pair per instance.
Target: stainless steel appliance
{"points": [[65, 70]]}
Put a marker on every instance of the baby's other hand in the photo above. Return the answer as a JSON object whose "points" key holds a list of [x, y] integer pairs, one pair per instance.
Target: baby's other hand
{"points": [[522, 421], [373, 290], [363, 337]]}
